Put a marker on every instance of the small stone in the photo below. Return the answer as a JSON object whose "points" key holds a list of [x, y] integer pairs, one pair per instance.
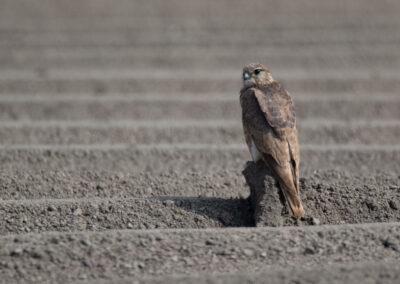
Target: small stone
{"points": [[150, 226], [139, 265], [51, 208], [233, 256], [82, 277], [54, 241], [129, 225], [389, 243], [371, 205], [148, 190], [85, 263], [4, 264], [85, 242], [168, 203], [144, 243], [315, 221], [234, 237], [263, 254], [210, 242], [126, 265], [78, 211], [36, 254], [99, 187], [214, 258], [189, 262], [174, 258], [393, 204], [309, 251], [248, 252], [16, 252]]}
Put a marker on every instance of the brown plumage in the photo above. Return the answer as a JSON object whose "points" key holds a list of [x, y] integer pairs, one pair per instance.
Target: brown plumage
{"points": [[269, 124]]}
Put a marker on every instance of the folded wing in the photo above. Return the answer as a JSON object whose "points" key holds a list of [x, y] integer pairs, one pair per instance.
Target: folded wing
{"points": [[280, 145]]}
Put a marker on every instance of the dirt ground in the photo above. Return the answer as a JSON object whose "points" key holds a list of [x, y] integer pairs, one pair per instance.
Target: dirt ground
{"points": [[121, 145], [46, 203], [117, 254]]}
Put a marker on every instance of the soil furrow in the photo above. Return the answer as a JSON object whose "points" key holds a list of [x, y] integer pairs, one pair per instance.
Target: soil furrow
{"points": [[232, 52], [27, 133], [11, 60], [200, 158], [376, 271], [129, 253], [112, 110], [22, 185], [162, 74], [192, 38], [131, 85], [361, 200], [139, 213]]}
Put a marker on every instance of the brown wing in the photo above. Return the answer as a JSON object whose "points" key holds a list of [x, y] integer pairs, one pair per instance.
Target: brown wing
{"points": [[277, 106], [269, 120], [257, 128]]}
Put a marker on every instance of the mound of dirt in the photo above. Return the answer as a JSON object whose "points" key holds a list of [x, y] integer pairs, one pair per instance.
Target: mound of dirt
{"points": [[329, 197]]}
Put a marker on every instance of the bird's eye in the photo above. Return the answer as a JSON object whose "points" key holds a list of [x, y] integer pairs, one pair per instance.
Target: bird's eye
{"points": [[257, 71]]}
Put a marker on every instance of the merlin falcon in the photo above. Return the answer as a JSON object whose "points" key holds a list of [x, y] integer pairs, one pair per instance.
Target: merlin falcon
{"points": [[269, 125]]}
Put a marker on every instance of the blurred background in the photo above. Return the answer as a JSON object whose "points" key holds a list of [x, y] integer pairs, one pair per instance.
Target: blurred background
{"points": [[159, 73]]}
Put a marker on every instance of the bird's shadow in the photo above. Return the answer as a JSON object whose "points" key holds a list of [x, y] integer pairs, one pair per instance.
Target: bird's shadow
{"points": [[226, 212]]}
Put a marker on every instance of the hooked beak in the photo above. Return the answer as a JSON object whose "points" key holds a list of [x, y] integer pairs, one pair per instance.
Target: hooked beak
{"points": [[246, 76]]}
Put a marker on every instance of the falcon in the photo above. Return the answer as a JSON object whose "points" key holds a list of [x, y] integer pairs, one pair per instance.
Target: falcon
{"points": [[269, 125]]}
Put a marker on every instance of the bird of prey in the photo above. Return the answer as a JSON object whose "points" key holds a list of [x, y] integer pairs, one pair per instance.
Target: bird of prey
{"points": [[269, 125]]}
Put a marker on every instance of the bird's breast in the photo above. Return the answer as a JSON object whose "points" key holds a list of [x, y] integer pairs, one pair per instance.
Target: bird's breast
{"points": [[255, 154]]}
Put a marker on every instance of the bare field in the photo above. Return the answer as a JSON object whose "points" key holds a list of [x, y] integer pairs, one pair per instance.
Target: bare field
{"points": [[121, 146]]}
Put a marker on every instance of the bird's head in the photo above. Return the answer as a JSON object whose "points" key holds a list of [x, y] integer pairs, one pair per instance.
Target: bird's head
{"points": [[256, 75]]}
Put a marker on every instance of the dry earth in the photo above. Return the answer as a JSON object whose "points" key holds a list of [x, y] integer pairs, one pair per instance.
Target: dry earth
{"points": [[121, 146]]}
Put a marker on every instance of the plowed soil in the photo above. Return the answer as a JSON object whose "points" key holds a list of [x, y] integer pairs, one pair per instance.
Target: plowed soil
{"points": [[121, 146]]}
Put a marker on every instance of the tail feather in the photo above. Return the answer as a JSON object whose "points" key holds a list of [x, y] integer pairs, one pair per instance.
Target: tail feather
{"points": [[293, 200], [287, 179]]}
